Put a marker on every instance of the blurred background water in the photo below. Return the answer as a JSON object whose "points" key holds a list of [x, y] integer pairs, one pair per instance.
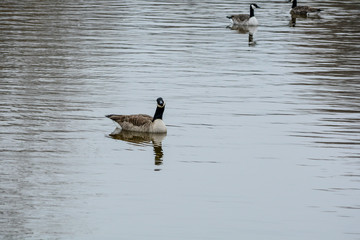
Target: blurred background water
{"points": [[263, 131]]}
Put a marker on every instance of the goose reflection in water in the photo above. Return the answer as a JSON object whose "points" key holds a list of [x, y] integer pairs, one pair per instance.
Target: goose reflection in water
{"points": [[141, 138], [292, 22], [244, 29]]}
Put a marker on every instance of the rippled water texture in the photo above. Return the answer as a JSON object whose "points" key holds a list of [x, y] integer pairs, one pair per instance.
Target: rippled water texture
{"points": [[263, 124]]}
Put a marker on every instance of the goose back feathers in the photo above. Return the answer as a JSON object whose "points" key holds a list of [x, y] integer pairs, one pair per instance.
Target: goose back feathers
{"points": [[245, 19], [303, 10]]}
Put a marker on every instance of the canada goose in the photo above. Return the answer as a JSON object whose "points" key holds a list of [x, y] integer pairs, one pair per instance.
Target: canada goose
{"points": [[245, 19], [142, 122], [303, 10]]}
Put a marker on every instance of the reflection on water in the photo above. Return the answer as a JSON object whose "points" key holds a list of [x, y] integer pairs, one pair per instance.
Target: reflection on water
{"points": [[140, 138], [281, 121], [244, 29], [293, 17]]}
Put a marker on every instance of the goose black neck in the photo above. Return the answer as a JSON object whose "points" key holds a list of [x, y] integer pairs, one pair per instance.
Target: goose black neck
{"points": [[158, 113], [251, 11], [294, 4]]}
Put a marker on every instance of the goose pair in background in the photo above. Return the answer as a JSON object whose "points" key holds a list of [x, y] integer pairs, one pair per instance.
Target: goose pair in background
{"points": [[250, 20], [142, 122]]}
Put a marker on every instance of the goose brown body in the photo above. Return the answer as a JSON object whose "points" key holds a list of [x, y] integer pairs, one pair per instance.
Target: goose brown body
{"points": [[245, 19], [138, 123], [239, 18], [132, 120], [303, 10]]}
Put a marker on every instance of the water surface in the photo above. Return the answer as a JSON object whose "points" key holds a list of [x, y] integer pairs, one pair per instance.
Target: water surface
{"points": [[263, 131]]}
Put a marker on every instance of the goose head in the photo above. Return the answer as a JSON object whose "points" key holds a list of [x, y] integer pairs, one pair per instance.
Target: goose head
{"points": [[254, 5], [160, 102]]}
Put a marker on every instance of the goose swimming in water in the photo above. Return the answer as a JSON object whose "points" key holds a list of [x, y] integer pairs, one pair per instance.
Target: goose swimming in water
{"points": [[245, 19], [142, 122], [303, 10]]}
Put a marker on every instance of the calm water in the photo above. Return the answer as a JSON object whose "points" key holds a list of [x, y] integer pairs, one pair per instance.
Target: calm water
{"points": [[263, 130]]}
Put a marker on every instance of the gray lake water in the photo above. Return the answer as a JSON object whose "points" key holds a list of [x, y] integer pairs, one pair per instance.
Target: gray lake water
{"points": [[263, 136]]}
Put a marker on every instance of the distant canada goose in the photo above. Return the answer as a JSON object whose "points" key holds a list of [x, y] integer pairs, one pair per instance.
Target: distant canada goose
{"points": [[142, 122], [303, 10], [245, 19]]}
